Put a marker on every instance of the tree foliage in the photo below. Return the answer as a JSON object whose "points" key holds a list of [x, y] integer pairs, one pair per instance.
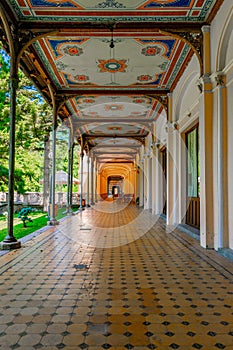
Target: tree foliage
{"points": [[33, 127], [33, 124]]}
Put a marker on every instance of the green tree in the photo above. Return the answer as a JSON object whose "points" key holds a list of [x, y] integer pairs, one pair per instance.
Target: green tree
{"points": [[33, 124], [33, 127]]}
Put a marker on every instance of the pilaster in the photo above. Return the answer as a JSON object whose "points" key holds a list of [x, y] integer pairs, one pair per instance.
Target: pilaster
{"points": [[170, 163], [222, 238], [141, 180], [206, 147]]}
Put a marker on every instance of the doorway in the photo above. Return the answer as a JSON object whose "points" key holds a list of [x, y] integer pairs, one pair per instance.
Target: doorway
{"points": [[164, 167], [115, 186], [193, 178]]}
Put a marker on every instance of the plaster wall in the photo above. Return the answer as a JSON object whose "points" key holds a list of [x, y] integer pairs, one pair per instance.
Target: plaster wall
{"points": [[186, 113], [229, 160], [222, 60], [186, 94], [161, 132], [221, 31]]}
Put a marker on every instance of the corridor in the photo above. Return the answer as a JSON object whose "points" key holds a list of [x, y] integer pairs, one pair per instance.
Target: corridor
{"points": [[115, 277]]}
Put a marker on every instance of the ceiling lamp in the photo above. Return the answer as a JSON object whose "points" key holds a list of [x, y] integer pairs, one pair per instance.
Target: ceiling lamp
{"points": [[112, 45]]}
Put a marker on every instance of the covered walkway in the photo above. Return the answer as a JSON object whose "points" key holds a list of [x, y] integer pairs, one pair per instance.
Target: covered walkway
{"points": [[115, 277]]}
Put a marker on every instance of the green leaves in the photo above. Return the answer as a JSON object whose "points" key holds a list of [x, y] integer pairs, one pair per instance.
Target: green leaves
{"points": [[33, 123]]}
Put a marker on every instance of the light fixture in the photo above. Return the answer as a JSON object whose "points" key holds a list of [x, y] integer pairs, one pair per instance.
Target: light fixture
{"points": [[112, 45]]}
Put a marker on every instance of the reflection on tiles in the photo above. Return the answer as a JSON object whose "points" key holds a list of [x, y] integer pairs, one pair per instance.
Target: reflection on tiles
{"points": [[115, 277]]}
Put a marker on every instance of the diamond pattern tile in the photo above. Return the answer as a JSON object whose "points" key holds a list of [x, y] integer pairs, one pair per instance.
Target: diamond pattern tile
{"points": [[112, 287]]}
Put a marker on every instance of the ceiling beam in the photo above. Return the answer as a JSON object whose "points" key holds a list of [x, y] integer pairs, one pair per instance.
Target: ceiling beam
{"points": [[129, 153], [120, 120], [104, 26], [113, 136], [112, 91], [117, 146]]}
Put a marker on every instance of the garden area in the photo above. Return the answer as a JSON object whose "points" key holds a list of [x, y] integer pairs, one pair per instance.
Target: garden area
{"points": [[36, 220], [33, 161]]}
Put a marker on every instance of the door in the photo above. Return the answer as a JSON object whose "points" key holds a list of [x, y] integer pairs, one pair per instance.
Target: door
{"points": [[164, 167], [193, 178]]}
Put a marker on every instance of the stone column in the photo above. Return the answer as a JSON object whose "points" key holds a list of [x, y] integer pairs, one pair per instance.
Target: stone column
{"points": [[222, 239], [149, 181], [170, 163], [206, 148], [92, 180], [81, 180], [70, 175], [159, 200], [145, 180], [141, 183], [88, 180], [96, 181], [154, 177]]}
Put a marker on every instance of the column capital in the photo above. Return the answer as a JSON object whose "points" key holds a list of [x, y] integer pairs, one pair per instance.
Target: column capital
{"points": [[171, 126], [205, 29], [205, 83], [219, 78], [170, 94], [155, 145]]}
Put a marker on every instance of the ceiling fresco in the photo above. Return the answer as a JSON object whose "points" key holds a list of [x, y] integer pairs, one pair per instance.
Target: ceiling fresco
{"points": [[112, 149], [102, 129], [120, 142], [133, 62], [115, 151], [113, 107], [122, 10], [113, 62]]}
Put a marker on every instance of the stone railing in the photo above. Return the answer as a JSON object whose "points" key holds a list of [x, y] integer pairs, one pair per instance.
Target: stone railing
{"points": [[36, 198]]}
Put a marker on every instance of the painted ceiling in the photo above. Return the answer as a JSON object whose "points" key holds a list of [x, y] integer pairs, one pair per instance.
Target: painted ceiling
{"points": [[112, 61], [122, 10], [137, 61], [87, 107]]}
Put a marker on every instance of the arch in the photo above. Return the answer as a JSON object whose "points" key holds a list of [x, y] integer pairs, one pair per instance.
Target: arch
{"points": [[223, 42], [193, 40], [187, 82]]}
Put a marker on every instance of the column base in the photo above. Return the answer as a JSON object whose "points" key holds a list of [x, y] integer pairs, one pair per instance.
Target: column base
{"points": [[69, 211], [10, 244], [53, 222], [88, 206]]}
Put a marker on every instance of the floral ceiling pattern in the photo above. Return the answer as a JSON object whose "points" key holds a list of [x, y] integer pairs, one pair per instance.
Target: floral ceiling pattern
{"points": [[138, 61], [122, 10], [102, 56]]}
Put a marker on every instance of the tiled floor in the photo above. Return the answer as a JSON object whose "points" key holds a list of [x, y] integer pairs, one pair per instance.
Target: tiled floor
{"points": [[114, 277]]}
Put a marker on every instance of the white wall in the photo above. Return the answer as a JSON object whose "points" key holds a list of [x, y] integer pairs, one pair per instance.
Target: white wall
{"points": [[222, 60], [221, 30], [186, 112], [186, 94], [230, 160]]}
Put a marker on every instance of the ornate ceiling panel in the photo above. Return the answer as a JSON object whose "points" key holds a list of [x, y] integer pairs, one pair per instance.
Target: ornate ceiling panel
{"points": [[113, 62], [122, 10], [110, 129], [115, 142], [87, 107], [134, 62]]}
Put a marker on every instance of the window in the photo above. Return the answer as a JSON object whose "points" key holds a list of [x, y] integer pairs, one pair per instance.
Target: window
{"points": [[193, 163]]}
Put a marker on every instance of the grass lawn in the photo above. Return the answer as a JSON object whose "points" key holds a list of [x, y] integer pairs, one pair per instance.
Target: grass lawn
{"points": [[39, 220]]}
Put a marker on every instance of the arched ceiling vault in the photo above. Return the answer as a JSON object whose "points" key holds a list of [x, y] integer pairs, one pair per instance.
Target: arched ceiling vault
{"points": [[110, 64]]}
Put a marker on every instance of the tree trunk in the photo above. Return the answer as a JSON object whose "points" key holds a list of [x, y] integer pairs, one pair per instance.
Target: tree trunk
{"points": [[46, 173]]}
